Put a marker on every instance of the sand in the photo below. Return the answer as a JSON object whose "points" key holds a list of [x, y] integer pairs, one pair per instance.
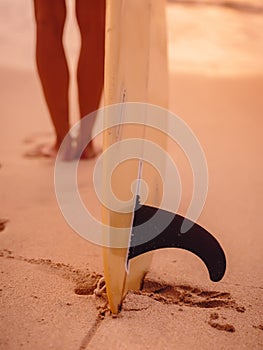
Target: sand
{"points": [[49, 273]]}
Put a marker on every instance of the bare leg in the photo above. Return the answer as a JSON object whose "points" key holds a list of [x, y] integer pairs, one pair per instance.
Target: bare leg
{"points": [[52, 65], [91, 20]]}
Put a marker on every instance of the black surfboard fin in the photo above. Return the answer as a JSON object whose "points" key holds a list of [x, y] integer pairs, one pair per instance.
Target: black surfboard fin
{"points": [[155, 228]]}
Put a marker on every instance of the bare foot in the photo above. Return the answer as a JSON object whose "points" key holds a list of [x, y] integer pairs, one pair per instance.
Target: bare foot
{"points": [[42, 151], [49, 151], [66, 152], [69, 150], [90, 151]]}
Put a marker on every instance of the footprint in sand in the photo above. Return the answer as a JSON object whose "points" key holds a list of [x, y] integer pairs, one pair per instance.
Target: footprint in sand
{"points": [[3, 223], [186, 295], [220, 326]]}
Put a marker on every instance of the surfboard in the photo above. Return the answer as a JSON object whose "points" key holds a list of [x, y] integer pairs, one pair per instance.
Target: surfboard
{"points": [[135, 71]]}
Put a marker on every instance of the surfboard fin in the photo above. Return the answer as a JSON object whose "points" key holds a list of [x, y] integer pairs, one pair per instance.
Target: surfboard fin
{"points": [[155, 228]]}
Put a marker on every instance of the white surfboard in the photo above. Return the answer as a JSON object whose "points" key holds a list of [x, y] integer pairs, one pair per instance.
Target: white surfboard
{"points": [[135, 71]]}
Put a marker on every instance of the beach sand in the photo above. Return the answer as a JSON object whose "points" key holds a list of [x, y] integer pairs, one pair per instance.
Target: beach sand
{"points": [[48, 272]]}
